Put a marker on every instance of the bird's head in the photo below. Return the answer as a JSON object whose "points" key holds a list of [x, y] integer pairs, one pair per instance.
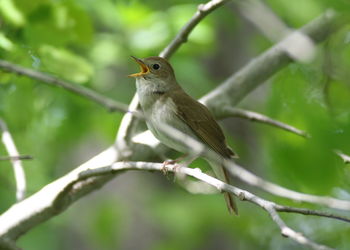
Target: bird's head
{"points": [[154, 68]]}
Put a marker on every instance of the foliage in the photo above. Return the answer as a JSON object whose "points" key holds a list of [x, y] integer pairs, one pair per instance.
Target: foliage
{"points": [[90, 42]]}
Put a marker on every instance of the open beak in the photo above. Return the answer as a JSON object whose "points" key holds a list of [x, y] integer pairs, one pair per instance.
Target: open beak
{"points": [[143, 67]]}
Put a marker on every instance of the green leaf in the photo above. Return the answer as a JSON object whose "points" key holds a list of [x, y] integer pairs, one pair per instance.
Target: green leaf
{"points": [[65, 63]]}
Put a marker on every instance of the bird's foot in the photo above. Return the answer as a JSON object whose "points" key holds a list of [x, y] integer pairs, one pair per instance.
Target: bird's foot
{"points": [[168, 162]]}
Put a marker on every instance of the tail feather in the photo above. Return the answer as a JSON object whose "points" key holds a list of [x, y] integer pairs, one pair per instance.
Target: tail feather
{"points": [[222, 174], [230, 202]]}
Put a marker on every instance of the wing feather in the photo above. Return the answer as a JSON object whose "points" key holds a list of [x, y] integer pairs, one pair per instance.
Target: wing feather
{"points": [[200, 120]]}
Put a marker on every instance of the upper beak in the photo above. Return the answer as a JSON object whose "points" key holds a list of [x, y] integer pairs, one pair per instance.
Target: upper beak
{"points": [[144, 68]]}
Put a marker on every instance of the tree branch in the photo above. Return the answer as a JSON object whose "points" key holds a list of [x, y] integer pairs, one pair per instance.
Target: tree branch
{"points": [[239, 84], [106, 102], [16, 157], [271, 207], [70, 187], [228, 111], [39, 207], [10, 146], [287, 209], [253, 180]]}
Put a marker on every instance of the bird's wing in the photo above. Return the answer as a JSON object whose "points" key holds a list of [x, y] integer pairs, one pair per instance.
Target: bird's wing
{"points": [[200, 120]]}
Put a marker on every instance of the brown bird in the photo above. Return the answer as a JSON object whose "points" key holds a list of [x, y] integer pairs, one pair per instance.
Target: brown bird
{"points": [[163, 101]]}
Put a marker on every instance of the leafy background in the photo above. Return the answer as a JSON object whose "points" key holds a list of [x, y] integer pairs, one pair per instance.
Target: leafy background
{"points": [[90, 43]]}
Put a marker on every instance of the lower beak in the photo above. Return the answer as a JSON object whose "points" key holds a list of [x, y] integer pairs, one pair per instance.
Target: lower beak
{"points": [[144, 68]]}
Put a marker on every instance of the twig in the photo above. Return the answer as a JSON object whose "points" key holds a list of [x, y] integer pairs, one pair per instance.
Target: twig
{"points": [[343, 156], [277, 190], [287, 209], [254, 116], [290, 233], [10, 146], [16, 157], [182, 36], [106, 102]]}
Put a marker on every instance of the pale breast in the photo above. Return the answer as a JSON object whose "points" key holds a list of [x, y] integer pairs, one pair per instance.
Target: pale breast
{"points": [[164, 111]]}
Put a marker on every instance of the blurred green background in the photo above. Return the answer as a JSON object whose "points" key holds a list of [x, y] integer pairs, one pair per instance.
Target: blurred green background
{"points": [[90, 42]]}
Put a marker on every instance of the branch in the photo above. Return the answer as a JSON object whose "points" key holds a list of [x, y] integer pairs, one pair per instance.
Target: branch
{"points": [[303, 211], [106, 102], [39, 207], [182, 36], [127, 128], [298, 46], [10, 146], [271, 207], [228, 111], [253, 180], [239, 84], [16, 157]]}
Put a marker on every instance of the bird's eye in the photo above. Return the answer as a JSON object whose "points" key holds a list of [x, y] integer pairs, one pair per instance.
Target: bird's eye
{"points": [[156, 66]]}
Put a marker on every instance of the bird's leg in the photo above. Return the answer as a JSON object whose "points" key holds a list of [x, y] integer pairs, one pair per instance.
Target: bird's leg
{"points": [[185, 159], [171, 162]]}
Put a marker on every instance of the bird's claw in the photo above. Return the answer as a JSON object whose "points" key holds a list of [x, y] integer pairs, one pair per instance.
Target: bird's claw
{"points": [[165, 163]]}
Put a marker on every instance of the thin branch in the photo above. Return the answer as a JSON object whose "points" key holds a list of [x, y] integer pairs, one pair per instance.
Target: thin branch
{"points": [[287, 209], [16, 157], [182, 36], [254, 116], [106, 102], [10, 146], [344, 157], [253, 180], [290, 233]]}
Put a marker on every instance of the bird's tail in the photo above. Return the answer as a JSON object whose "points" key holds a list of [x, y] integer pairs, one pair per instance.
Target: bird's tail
{"points": [[230, 202], [221, 174]]}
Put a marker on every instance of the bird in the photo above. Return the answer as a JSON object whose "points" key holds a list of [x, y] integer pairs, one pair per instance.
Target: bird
{"points": [[164, 101]]}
